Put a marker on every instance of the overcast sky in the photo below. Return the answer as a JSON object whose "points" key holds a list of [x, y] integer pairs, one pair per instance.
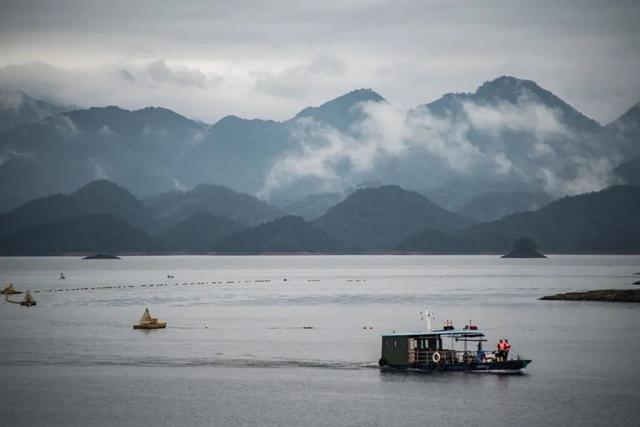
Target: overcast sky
{"points": [[269, 59]]}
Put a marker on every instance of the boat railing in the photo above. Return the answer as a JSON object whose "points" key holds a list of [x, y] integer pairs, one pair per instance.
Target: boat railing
{"points": [[441, 356]]}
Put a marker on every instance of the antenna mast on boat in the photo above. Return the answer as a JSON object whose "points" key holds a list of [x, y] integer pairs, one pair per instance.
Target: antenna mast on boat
{"points": [[427, 315]]}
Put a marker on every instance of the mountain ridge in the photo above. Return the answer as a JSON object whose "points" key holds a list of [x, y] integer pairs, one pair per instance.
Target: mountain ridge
{"points": [[16, 108], [370, 220], [153, 149], [374, 219], [601, 221]]}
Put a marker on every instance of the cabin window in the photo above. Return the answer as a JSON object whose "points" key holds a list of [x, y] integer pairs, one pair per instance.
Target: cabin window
{"points": [[432, 344], [395, 343], [386, 343]]}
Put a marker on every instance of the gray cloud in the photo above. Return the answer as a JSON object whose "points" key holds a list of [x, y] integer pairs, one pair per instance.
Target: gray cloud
{"points": [[299, 81], [412, 51], [160, 72], [187, 90]]}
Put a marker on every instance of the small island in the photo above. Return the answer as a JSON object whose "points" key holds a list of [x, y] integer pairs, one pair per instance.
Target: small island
{"points": [[101, 256], [523, 247], [607, 295]]}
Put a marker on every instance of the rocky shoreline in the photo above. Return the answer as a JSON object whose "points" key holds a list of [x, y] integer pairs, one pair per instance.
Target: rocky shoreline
{"points": [[606, 295]]}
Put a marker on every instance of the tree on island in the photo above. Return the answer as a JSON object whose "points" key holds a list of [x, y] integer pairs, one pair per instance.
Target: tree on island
{"points": [[524, 247]]}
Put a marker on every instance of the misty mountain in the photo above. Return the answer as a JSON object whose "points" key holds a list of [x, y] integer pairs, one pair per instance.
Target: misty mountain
{"points": [[342, 112], [524, 138], [199, 233], [136, 149], [510, 134], [79, 234], [312, 206], [376, 219], [176, 206], [98, 197], [103, 217], [240, 153], [498, 204], [513, 91], [603, 221], [149, 150], [185, 221], [288, 234], [454, 194], [624, 132], [20, 180], [17, 107], [629, 172], [236, 153]]}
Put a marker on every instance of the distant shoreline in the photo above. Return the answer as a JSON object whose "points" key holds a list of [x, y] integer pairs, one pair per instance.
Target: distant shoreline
{"points": [[603, 295], [497, 254]]}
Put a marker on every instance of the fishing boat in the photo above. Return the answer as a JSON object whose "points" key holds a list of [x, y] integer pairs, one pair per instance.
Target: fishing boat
{"points": [[148, 322], [447, 349], [10, 290]]}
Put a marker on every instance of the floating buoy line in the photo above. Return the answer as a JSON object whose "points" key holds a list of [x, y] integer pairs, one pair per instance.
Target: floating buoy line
{"points": [[149, 285], [161, 285]]}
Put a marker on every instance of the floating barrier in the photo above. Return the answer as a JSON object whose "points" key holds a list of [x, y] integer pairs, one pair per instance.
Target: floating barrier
{"points": [[159, 285]]}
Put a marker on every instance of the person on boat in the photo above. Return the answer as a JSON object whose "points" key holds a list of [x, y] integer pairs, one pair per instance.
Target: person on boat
{"points": [[448, 325], [507, 348], [500, 352], [480, 353]]}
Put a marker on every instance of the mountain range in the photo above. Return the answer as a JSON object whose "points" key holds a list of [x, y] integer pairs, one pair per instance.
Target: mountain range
{"points": [[509, 136], [104, 217], [353, 175], [605, 221]]}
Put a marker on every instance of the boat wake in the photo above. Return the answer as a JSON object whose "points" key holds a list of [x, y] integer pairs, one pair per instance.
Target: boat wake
{"points": [[197, 362]]}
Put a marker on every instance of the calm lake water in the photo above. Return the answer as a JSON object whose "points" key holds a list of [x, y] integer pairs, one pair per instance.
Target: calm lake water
{"points": [[236, 350]]}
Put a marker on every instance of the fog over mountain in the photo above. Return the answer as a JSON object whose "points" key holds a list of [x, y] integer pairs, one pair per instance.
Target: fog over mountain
{"points": [[136, 149], [16, 107], [510, 135]]}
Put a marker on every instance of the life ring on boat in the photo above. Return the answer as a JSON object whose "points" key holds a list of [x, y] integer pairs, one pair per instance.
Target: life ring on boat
{"points": [[435, 357], [382, 362]]}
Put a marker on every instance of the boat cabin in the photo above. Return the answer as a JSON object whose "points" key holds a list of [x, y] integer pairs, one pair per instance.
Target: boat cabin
{"points": [[432, 348]]}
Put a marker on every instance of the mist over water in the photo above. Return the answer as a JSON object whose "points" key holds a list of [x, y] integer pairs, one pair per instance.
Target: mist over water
{"points": [[244, 345]]}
